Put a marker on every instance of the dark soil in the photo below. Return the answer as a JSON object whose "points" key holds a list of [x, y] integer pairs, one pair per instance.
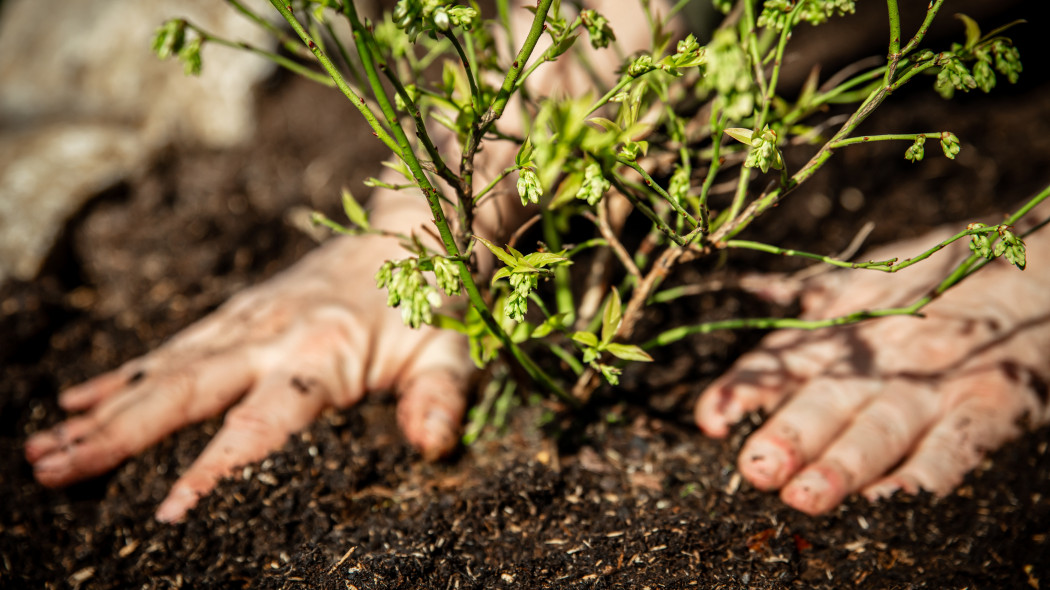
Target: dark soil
{"points": [[625, 495]]}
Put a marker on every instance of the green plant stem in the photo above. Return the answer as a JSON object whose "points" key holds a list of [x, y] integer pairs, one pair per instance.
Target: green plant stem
{"points": [[337, 77], [438, 162], [591, 243], [718, 123], [620, 184], [890, 266], [750, 32], [911, 73], [963, 270], [546, 57], [768, 90], [492, 184], [655, 186], [676, 334], [895, 30], [624, 81], [475, 94], [931, 13], [567, 357], [345, 55], [774, 77], [563, 298], [405, 149], [280, 60], [285, 40], [739, 221], [499, 104], [888, 137]]}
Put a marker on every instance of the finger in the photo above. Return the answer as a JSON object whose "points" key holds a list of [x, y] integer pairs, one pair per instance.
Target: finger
{"points": [[277, 407], [91, 392], [801, 430], [981, 419], [881, 435], [433, 395], [764, 378], [135, 418], [430, 412]]}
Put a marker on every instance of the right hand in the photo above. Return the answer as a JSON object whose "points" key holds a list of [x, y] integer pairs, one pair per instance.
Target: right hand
{"points": [[319, 335]]}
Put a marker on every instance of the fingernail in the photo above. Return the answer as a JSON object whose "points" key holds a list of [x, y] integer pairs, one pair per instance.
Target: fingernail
{"points": [[52, 470], [764, 464], [438, 433], [810, 492]]}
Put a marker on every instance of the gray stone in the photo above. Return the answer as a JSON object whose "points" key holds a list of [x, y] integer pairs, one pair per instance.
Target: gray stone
{"points": [[85, 104]]}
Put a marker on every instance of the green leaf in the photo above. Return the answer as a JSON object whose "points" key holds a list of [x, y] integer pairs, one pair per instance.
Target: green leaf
{"points": [[567, 190], [399, 166], [973, 31], [502, 273], [563, 46], [995, 32], [740, 134], [628, 352], [498, 252], [608, 125], [353, 211], [586, 338], [611, 317], [524, 156], [445, 322], [555, 322], [541, 259]]}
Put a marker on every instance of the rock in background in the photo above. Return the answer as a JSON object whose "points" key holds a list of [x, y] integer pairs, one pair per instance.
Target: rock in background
{"points": [[84, 104]]}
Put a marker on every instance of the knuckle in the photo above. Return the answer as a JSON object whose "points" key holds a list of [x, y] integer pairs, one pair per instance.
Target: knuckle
{"points": [[250, 421]]}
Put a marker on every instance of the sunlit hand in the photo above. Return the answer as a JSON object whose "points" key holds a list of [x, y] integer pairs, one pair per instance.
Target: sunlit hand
{"points": [[319, 335], [902, 403]]}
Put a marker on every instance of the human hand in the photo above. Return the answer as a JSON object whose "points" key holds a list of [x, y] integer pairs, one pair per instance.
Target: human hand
{"points": [[901, 403], [320, 335]]}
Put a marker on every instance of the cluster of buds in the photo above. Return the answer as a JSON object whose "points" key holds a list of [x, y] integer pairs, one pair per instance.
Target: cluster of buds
{"points": [[678, 187], [529, 188], [594, 184], [447, 274], [775, 13], [1009, 246], [170, 40], [517, 304], [597, 28], [916, 150], [408, 289], [417, 16]]}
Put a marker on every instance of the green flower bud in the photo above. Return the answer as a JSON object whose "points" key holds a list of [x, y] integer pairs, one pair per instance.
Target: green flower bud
{"points": [[764, 154], [447, 274], [679, 187], [190, 56], [169, 38], [516, 307], [641, 65], [529, 188], [950, 144], [594, 184], [917, 150], [597, 28], [1007, 60]]}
